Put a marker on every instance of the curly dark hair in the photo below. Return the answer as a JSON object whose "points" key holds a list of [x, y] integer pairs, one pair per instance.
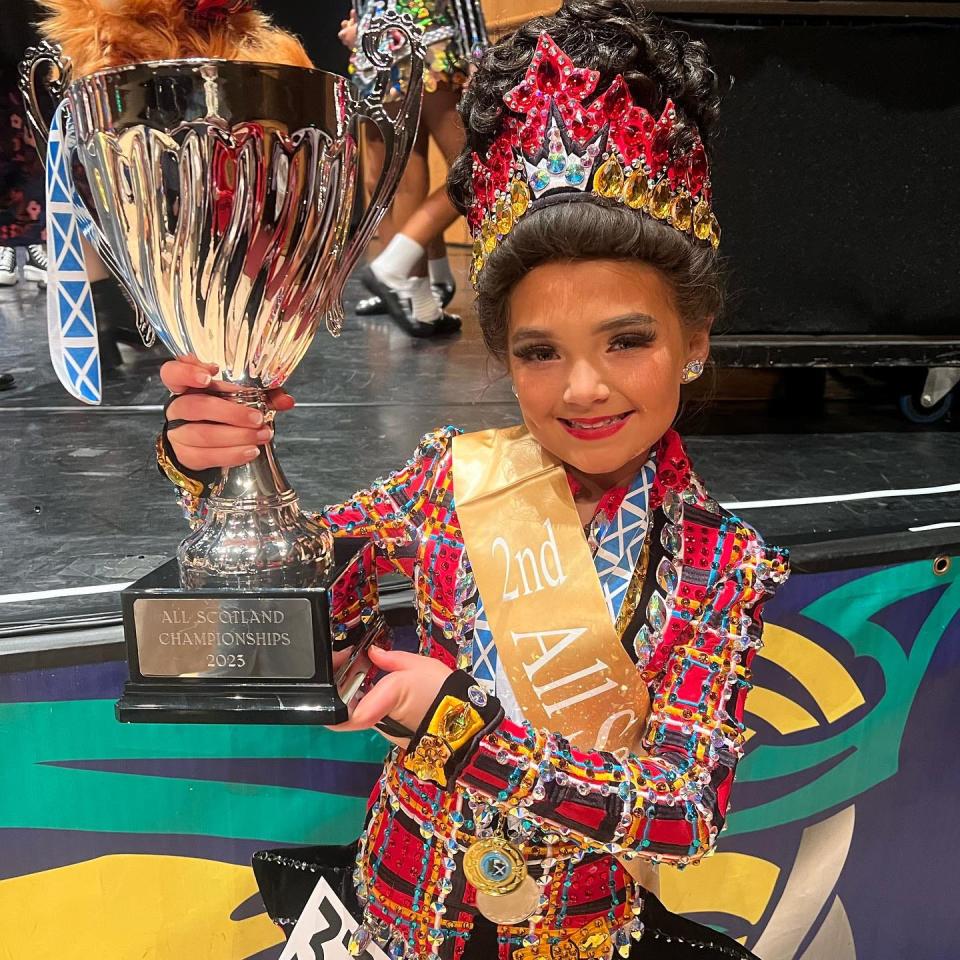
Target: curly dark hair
{"points": [[613, 37]]}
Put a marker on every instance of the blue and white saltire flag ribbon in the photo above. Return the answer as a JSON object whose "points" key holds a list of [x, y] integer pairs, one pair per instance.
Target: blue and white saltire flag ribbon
{"points": [[71, 321], [619, 544], [620, 540]]}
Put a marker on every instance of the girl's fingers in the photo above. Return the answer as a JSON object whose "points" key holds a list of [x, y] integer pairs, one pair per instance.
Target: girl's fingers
{"points": [[187, 373], [280, 400], [195, 458], [376, 705], [390, 660], [213, 409], [214, 435]]}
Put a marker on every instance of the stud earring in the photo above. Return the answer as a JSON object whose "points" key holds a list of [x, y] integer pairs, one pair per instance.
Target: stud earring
{"points": [[692, 371]]}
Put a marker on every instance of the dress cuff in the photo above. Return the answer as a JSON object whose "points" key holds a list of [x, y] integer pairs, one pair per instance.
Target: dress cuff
{"points": [[460, 717]]}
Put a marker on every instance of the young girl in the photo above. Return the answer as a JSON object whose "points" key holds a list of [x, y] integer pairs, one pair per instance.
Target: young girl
{"points": [[587, 612]]}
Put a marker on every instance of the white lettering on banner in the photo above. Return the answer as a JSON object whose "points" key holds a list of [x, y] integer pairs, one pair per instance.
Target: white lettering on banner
{"points": [[532, 575], [567, 637], [525, 558], [507, 593], [629, 718], [323, 930], [550, 547]]}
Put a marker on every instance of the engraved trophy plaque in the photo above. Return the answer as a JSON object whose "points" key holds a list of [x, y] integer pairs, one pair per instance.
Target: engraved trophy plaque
{"points": [[220, 193]]}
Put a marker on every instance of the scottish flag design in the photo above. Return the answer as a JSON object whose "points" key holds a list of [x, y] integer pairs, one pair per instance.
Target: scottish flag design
{"points": [[619, 544], [71, 321]]}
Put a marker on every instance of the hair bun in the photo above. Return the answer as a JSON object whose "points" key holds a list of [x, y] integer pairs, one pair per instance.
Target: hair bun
{"points": [[602, 11]]}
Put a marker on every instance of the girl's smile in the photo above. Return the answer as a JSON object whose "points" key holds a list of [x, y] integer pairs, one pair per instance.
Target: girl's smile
{"points": [[596, 428]]}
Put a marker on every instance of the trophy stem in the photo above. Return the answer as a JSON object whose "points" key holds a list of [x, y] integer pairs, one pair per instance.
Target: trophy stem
{"points": [[254, 534]]}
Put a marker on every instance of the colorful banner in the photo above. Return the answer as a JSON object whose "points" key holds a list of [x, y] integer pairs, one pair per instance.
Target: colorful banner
{"points": [[122, 841]]}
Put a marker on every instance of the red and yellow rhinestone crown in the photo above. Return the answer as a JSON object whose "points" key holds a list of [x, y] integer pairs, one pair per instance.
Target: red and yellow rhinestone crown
{"points": [[553, 143]]}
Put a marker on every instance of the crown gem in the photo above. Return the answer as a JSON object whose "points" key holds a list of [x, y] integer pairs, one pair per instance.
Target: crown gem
{"points": [[636, 193], [701, 220], [519, 198], [489, 234], [609, 179], [682, 212], [714, 232], [540, 180], [504, 217], [575, 172], [661, 200]]}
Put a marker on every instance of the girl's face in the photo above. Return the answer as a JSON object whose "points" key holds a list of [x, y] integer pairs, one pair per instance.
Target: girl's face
{"points": [[596, 350]]}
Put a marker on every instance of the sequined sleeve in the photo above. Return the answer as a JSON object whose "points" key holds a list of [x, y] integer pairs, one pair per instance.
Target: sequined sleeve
{"points": [[669, 803], [390, 510]]}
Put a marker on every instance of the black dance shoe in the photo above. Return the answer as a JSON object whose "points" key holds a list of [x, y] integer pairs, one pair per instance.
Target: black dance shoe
{"points": [[375, 307], [400, 310], [444, 292]]}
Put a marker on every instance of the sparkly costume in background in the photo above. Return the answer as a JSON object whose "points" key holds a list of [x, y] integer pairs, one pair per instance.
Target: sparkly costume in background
{"points": [[22, 219], [455, 32]]}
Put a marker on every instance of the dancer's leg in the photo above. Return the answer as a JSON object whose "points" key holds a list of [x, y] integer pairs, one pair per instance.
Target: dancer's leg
{"points": [[403, 264], [410, 194], [373, 154]]}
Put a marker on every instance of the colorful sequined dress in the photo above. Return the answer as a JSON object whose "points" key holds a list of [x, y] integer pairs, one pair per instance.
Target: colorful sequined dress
{"points": [[577, 816], [454, 33]]}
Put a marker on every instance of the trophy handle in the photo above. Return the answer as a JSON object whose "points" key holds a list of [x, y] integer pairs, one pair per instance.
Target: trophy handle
{"points": [[56, 83], [45, 53], [399, 134]]}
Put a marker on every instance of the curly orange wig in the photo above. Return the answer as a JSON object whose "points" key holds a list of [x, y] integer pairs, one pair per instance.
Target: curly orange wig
{"points": [[96, 34]]}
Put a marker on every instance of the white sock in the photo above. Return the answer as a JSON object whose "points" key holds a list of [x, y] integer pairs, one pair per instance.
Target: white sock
{"points": [[396, 262], [425, 307], [440, 271]]}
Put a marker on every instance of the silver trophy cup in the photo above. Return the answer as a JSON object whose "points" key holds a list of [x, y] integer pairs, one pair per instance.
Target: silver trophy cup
{"points": [[222, 195]]}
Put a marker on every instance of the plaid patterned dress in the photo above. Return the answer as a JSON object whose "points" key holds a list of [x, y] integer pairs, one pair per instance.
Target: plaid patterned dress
{"points": [[577, 816]]}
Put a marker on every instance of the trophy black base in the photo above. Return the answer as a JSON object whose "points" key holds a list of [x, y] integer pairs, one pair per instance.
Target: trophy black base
{"points": [[233, 656], [157, 703]]}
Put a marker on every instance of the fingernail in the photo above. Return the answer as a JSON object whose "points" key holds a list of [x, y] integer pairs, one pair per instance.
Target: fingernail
{"points": [[205, 379], [251, 453], [256, 419], [264, 434]]}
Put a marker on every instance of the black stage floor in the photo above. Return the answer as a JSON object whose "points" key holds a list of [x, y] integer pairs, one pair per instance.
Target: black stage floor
{"points": [[83, 507]]}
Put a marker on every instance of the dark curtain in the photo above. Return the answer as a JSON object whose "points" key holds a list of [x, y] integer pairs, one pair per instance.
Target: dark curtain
{"points": [[835, 170], [317, 25]]}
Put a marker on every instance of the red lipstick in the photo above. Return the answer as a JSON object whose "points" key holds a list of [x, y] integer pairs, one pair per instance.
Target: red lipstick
{"points": [[595, 428]]}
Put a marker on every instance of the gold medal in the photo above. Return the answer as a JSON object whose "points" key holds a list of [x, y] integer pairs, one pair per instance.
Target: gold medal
{"points": [[513, 907], [494, 866]]}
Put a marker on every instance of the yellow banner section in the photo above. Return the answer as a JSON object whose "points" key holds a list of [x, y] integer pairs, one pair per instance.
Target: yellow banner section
{"points": [[541, 593]]}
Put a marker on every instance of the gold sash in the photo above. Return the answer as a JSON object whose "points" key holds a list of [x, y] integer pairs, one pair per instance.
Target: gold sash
{"points": [[543, 599], [541, 593]]}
